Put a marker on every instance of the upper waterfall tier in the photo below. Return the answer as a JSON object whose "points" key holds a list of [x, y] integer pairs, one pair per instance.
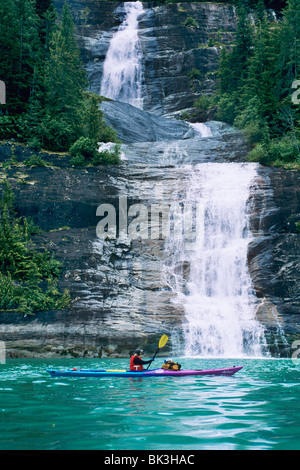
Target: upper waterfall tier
{"points": [[122, 70], [179, 63]]}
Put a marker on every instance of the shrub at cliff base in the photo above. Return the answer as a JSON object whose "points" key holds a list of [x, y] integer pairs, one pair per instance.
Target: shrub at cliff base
{"points": [[28, 278]]}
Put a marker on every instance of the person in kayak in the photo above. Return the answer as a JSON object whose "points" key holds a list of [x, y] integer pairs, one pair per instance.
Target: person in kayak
{"points": [[136, 362]]}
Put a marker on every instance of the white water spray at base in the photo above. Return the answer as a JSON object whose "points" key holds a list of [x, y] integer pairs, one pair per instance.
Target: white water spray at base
{"points": [[217, 293]]}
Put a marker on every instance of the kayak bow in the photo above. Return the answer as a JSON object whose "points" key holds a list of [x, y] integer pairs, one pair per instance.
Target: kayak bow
{"points": [[145, 373]]}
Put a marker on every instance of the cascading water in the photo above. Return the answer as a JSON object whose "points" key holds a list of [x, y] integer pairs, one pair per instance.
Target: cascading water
{"points": [[122, 72], [216, 294], [203, 129]]}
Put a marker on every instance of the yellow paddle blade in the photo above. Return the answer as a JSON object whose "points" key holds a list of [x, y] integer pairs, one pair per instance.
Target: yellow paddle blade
{"points": [[162, 342]]}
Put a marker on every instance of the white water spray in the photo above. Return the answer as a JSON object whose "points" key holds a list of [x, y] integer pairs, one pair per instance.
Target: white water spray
{"points": [[203, 129], [217, 293], [122, 72]]}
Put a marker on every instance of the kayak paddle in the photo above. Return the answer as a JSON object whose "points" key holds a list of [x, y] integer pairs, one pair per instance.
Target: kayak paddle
{"points": [[162, 342]]}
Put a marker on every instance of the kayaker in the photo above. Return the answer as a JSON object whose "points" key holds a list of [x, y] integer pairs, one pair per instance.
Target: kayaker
{"points": [[136, 362]]}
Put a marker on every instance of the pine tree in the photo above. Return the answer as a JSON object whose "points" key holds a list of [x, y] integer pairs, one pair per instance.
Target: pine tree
{"points": [[242, 51], [65, 78], [19, 43], [233, 68], [10, 54], [28, 124], [290, 68], [290, 38], [256, 79], [64, 83], [28, 278], [260, 80]]}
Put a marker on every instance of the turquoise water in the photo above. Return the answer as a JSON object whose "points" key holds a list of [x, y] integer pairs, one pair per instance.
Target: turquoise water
{"points": [[258, 408]]}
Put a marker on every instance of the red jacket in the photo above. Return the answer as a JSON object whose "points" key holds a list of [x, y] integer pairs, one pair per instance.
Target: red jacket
{"points": [[135, 367]]}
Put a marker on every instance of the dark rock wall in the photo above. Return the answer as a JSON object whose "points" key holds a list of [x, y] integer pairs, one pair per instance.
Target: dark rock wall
{"points": [[171, 50], [274, 254], [119, 296]]}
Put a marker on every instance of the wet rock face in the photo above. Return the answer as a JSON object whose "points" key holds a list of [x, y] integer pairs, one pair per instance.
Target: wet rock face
{"points": [[120, 298], [180, 55], [274, 254], [142, 126], [180, 58], [151, 139]]}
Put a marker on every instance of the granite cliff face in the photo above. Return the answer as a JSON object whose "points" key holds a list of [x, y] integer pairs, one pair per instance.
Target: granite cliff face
{"points": [[274, 255], [180, 58], [120, 296]]}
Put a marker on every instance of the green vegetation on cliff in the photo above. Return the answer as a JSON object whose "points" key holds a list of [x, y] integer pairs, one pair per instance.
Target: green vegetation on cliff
{"points": [[47, 103], [256, 80], [248, 4], [28, 277]]}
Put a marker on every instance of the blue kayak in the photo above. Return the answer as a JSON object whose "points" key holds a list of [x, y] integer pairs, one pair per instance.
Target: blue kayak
{"points": [[145, 373]]}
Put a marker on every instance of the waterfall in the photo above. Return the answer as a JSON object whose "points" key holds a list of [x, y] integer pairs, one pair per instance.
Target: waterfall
{"points": [[211, 279], [122, 72], [203, 129], [216, 289]]}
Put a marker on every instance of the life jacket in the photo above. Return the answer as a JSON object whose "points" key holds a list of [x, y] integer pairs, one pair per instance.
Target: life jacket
{"points": [[135, 367]]}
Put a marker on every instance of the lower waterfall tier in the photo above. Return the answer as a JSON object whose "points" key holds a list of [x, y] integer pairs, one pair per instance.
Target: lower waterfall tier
{"points": [[120, 295]]}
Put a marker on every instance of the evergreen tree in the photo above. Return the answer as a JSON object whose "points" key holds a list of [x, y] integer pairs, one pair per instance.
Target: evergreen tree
{"points": [[47, 105], [19, 43], [28, 278], [255, 84], [234, 68], [234, 65], [63, 84], [65, 78], [70, 112], [10, 54], [260, 80]]}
